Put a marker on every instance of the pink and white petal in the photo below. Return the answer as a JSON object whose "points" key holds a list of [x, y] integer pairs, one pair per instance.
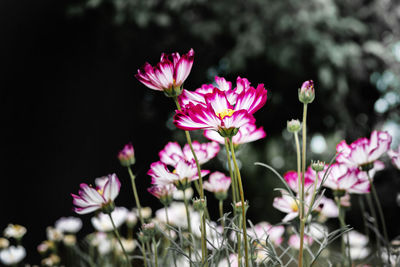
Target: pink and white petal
{"points": [[237, 120], [242, 84], [183, 67], [197, 117], [282, 204], [90, 194], [191, 97], [223, 85], [160, 170], [218, 101], [165, 73], [215, 136], [171, 153], [112, 187], [380, 144], [252, 99], [291, 179], [290, 216], [252, 136], [361, 187], [86, 210]]}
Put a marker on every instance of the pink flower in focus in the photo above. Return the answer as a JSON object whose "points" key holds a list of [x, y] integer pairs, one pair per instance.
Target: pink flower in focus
{"points": [[219, 184], [173, 153], [291, 206], [264, 230], [294, 241], [395, 156], [184, 173], [363, 151], [91, 199], [219, 115], [246, 134], [169, 74], [127, 155]]}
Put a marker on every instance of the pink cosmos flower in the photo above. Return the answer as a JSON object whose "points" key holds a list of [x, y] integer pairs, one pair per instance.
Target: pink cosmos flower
{"points": [[363, 151], [173, 153], [292, 180], [395, 156], [127, 155], [198, 96], [164, 193], [91, 199], [219, 114], [185, 172], [327, 208], [263, 230], [217, 183], [294, 241], [246, 134], [169, 74], [342, 178]]}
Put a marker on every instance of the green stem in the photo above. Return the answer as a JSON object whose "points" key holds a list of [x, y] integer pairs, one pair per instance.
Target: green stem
{"points": [[155, 252], [296, 138], [375, 221], [342, 215], [201, 193], [221, 212], [189, 225], [363, 211], [234, 186], [136, 194], [169, 233], [382, 217], [246, 252], [303, 169], [119, 239]]}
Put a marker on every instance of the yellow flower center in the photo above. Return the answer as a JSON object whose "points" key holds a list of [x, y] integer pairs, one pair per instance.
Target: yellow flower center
{"points": [[224, 113], [295, 206], [101, 191]]}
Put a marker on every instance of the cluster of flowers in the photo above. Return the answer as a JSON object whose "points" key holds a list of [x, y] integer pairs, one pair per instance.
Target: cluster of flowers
{"points": [[225, 114]]}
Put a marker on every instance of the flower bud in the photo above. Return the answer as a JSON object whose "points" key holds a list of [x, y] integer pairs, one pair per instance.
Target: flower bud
{"points": [[317, 166], [127, 155], [52, 260], [143, 238], [69, 240], [293, 126], [238, 206], [149, 229], [306, 92], [199, 204]]}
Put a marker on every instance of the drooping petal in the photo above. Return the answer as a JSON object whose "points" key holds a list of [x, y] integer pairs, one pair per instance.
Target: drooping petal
{"points": [[195, 118], [112, 187], [171, 154]]}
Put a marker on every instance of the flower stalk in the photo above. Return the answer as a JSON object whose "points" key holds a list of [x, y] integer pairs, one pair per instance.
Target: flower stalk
{"points": [[139, 207], [119, 240], [239, 179], [200, 191]]}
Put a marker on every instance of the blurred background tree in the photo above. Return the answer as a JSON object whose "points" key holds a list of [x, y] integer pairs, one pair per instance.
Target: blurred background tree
{"points": [[82, 55]]}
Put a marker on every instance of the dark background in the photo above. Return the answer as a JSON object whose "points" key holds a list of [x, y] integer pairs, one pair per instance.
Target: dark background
{"points": [[69, 100]]}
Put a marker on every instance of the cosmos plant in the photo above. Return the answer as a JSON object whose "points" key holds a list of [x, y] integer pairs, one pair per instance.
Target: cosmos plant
{"points": [[185, 231]]}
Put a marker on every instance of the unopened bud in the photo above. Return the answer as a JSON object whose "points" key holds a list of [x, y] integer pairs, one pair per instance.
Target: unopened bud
{"points": [[306, 92], [149, 229], [238, 206], [69, 240], [127, 155], [293, 126], [199, 204], [317, 165]]}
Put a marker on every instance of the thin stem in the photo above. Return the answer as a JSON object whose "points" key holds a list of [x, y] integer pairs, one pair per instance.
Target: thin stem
{"points": [[136, 194], [169, 232], [155, 252], [303, 169], [382, 217], [375, 221], [342, 215], [234, 186], [296, 138], [119, 239], [201, 192], [221, 213], [189, 225], [246, 252]]}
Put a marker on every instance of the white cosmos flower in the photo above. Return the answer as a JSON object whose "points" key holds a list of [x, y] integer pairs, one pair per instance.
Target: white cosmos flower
{"points": [[69, 224], [102, 222], [12, 255]]}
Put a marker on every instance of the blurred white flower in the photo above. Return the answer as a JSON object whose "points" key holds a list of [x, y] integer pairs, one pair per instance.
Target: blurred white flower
{"points": [[12, 255], [178, 194], [102, 242], [129, 245], [317, 231], [131, 219], [146, 212], [102, 222], [54, 234], [4, 243], [69, 224], [14, 231], [357, 253]]}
